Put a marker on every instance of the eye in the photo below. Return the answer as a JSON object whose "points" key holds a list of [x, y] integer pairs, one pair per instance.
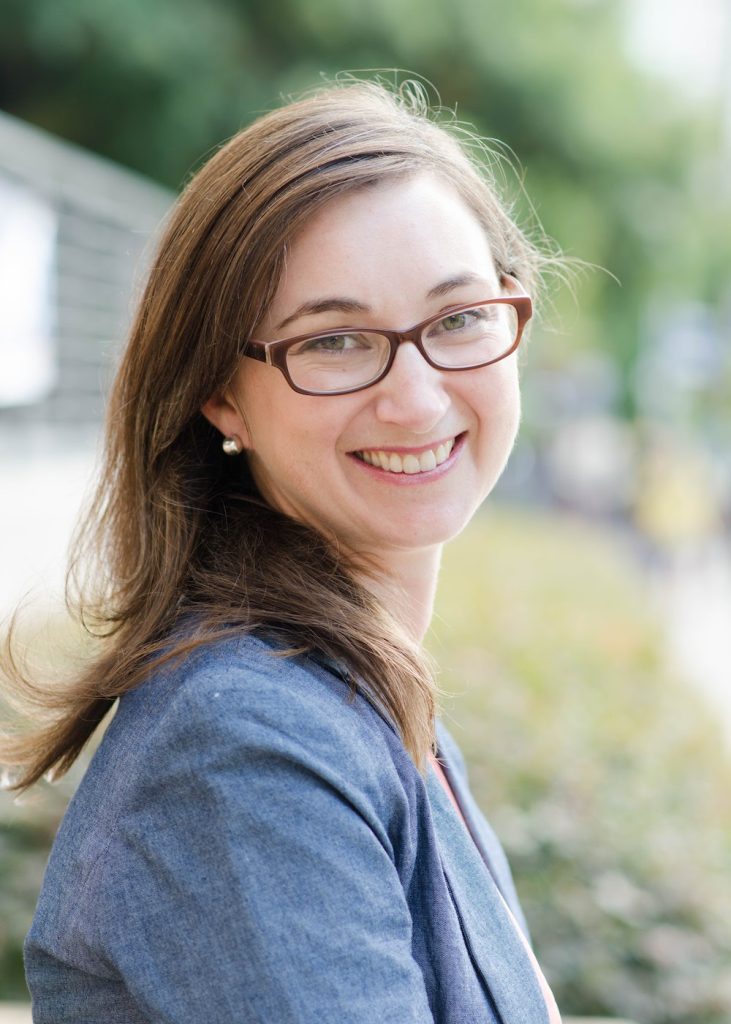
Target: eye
{"points": [[331, 343], [455, 321], [466, 320]]}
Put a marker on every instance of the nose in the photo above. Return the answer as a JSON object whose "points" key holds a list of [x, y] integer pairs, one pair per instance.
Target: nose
{"points": [[413, 394]]}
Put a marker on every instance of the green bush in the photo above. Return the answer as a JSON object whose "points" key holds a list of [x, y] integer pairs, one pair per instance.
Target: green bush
{"points": [[602, 772], [28, 823], [26, 833]]}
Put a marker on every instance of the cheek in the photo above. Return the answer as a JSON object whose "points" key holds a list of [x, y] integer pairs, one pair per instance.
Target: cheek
{"points": [[293, 434], [496, 394]]}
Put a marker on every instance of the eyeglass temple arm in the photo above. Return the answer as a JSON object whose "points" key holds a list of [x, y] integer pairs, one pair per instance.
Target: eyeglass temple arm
{"points": [[257, 350]]}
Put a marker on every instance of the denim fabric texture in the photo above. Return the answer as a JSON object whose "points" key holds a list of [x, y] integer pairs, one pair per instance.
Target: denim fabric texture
{"points": [[248, 845]]}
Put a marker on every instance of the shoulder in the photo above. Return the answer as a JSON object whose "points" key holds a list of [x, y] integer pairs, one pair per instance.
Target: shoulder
{"points": [[227, 739], [239, 707], [246, 797], [246, 683]]}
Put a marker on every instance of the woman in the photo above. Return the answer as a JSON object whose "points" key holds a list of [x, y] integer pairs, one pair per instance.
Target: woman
{"points": [[276, 827]]}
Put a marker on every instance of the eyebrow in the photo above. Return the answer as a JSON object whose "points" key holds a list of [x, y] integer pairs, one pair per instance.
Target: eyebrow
{"points": [[458, 281], [328, 305], [338, 304]]}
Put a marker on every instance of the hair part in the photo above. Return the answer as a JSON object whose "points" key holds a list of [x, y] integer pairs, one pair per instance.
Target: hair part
{"points": [[176, 531]]}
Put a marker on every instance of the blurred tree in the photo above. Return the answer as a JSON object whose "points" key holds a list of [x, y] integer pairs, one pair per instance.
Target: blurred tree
{"points": [[612, 160]]}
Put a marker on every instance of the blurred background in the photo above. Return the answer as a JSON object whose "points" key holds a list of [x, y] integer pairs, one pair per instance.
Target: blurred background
{"points": [[584, 624]]}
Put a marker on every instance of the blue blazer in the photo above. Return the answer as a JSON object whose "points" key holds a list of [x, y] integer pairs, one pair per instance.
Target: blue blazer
{"points": [[249, 846]]}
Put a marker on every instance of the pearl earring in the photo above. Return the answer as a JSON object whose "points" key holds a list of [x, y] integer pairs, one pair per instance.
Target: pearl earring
{"points": [[232, 445]]}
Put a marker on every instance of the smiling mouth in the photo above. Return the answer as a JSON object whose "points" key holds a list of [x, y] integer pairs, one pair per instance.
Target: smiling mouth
{"points": [[410, 464]]}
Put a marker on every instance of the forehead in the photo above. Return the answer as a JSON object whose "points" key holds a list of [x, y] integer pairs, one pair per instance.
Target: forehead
{"points": [[390, 241]]}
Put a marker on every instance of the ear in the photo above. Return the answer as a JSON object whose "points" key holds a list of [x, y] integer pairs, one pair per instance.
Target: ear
{"points": [[510, 284], [222, 410]]}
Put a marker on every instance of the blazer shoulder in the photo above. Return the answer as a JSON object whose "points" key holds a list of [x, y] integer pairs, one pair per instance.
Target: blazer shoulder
{"points": [[245, 795], [239, 699], [227, 717], [250, 678]]}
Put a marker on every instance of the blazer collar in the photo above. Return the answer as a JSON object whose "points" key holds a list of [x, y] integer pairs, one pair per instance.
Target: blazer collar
{"points": [[483, 836], [497, 949], [476, 872]]}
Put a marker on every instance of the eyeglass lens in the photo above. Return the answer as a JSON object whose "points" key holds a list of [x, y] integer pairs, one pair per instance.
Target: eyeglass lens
{"points": [[334, 362]]}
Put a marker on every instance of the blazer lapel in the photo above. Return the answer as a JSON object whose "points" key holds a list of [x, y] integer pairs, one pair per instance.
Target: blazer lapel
{"points": [[484, 838], [492, 937]]}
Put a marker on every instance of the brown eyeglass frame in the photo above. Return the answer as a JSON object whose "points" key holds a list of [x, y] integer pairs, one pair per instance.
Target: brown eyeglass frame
{"points": [[275, 352]]}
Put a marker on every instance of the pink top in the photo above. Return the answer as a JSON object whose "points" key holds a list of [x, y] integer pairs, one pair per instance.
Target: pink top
{"points": [[553, 1015]]}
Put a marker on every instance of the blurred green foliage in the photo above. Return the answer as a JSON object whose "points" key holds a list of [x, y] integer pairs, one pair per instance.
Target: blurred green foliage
{"points": [[44, 640], [604, 775], [622, 173], [26, 834]]}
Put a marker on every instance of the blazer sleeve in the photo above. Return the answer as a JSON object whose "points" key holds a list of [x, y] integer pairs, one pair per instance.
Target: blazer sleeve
{"points": [[252, 876]]}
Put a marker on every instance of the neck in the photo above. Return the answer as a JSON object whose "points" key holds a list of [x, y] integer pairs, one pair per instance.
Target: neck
{"points": [[406, 585]]}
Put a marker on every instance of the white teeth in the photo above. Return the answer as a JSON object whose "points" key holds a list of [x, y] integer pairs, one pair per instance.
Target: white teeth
{"points": [[409, 464], [427, 461]]}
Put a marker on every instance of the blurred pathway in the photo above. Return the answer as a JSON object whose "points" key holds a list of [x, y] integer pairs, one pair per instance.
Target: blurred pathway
{"points": [[15, 1013], [40, 499], [695, 600]]}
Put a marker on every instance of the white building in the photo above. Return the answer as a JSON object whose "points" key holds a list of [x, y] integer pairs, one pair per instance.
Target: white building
{"points": [[75, 231]]}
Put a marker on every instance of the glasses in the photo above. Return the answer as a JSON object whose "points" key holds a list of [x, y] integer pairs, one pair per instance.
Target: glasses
{"points": [[352, 358]]}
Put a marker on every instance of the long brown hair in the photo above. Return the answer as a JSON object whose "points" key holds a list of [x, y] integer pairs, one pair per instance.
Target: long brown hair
{"points": [[177, 531]]}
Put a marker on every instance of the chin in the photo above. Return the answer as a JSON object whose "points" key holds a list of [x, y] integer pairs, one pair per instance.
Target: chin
{"points": [[430, 532]]}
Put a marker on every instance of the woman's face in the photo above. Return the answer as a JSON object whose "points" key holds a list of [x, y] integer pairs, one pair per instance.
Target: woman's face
{"points": [[389, 256]]}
